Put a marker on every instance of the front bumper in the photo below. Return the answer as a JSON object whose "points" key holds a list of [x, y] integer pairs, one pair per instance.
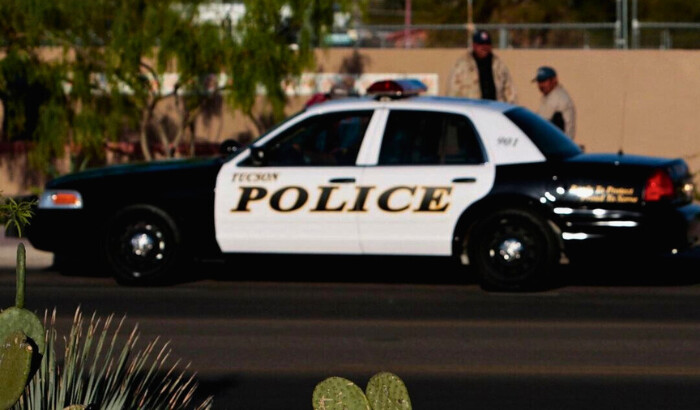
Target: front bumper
{"points": [[656, 230], [63, 231]]}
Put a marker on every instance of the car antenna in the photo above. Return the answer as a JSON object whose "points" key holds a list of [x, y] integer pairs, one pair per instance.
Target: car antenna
{"points": [[624, 109]]}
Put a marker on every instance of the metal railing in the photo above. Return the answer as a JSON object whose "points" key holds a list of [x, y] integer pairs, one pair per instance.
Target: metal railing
{"points": [[511, 35], [663, 35], [616, 34]]}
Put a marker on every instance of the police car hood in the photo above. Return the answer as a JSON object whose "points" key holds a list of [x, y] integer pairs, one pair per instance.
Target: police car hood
{"points": [[136, 170]]}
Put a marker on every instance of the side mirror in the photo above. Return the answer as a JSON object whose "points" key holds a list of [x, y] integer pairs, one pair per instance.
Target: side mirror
{"points": [[257, 156], [228, 147]]}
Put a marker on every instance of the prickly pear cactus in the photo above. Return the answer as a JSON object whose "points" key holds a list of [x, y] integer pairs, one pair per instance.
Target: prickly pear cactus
{"points": [[337, 393], [15, 368], [386, 391], [17, 318]]}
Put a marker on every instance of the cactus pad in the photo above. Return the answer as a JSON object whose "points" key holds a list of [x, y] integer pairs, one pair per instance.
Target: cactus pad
{"points": [[16, 354], [386, 391], [17, 318], [337, 393], [14, 319]]}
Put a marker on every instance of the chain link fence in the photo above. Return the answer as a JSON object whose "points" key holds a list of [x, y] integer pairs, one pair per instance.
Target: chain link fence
{"points": [[644, 35]]}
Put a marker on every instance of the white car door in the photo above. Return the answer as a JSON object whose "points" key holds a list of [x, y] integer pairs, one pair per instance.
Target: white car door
{"points": [[299, 197], [429, 167]]}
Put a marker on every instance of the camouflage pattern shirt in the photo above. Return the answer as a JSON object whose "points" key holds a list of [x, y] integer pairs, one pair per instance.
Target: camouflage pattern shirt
{"points": [[464, 80]]}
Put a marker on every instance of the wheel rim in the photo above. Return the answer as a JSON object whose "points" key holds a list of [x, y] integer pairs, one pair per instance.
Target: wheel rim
{"points": [[513, 249], [140, 248]]}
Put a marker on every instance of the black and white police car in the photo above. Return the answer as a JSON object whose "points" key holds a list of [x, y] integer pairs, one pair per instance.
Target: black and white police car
{"points": [[490, 184]]}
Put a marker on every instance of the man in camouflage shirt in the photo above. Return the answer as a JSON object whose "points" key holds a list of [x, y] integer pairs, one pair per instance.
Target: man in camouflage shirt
{"points": [[481, 74]]}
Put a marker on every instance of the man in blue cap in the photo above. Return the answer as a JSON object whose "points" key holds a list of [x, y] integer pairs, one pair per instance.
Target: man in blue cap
{"points": [[556, 104], [481, 74]]}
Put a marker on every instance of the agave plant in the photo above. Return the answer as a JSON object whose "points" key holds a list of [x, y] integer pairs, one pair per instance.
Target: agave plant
{"points": [[96, 372]]}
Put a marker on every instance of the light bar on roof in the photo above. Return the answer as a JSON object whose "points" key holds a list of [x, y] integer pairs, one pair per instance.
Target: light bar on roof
{"points": [[396, 88]]}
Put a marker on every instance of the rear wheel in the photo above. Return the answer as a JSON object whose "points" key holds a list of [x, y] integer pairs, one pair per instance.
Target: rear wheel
{"points": [[142, 246], [512, 249]]}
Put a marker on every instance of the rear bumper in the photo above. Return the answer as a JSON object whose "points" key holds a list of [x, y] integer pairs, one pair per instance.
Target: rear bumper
{"points": [[660, 230]]}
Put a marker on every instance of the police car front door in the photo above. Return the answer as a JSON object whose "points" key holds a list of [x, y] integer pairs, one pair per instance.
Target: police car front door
{"points": [[429, 167], [299, 198]]}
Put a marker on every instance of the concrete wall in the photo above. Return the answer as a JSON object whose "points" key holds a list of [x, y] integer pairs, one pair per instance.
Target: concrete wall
{"points": [[643, 102]]}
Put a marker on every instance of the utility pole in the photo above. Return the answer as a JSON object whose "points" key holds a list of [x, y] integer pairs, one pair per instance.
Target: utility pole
{"points": [[621, 29], [407, 25], [635, 26]]}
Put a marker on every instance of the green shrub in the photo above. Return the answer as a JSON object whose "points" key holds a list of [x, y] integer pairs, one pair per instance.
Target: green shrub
{"points": [[14, 214]]}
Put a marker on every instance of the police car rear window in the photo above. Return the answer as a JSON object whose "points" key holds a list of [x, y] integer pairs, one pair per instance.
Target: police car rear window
{"points": [[549, 139]]}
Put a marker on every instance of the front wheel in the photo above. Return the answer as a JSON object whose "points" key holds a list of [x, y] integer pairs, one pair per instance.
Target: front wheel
{"points": [[142, 246], [512, 249]]}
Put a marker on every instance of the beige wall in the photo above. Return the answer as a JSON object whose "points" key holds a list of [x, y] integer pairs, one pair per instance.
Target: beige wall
{"points": [[645, 102]]}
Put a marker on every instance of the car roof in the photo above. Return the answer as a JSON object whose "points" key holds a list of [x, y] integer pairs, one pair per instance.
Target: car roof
{"points": [[419, 102]]}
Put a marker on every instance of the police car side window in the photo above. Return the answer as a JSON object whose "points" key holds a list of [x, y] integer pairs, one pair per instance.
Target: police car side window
{"points": [[429, 138], [323, 140]]}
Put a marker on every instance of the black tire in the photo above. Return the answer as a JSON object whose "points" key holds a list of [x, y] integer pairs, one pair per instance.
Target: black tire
{"points": [[143, 246], [512, 250]]}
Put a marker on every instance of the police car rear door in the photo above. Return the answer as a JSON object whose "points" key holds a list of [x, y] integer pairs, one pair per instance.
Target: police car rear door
{"points": [[295, 192], [427, 169]]}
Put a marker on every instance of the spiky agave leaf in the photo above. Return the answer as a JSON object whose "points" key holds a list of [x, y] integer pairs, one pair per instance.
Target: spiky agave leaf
{"points": [[97, 370]]}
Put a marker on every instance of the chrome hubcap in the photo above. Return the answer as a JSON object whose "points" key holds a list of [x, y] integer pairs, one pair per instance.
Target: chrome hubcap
{"points": [[148, 244], [141, 244], [510, 250]]}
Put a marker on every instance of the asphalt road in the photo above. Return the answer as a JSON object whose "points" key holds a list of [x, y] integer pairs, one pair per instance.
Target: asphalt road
{"points": [[260, 335]]}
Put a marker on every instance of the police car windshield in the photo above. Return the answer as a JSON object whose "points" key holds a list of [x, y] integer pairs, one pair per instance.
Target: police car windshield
{"points": [[549, 139], [279, 124]]}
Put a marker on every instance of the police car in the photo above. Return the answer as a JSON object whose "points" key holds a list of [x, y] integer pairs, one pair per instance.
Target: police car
{"points": [[392, 173]]}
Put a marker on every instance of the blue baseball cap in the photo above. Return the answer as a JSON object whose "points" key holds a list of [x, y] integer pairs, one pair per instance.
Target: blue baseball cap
{"points": [[481, 37], [544, 73]]}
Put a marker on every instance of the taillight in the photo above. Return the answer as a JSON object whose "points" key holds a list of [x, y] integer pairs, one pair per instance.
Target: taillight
{"points": [[658, 187]]}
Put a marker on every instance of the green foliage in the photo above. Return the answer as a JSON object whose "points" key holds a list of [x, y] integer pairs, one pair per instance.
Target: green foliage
{"points": [[15, 368], [385, 391], [104, 76], [269, 48], [97, 369], [31, 87], [15, 214]]}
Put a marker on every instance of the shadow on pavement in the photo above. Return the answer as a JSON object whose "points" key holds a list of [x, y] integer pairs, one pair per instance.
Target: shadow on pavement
{"points": [[625, 270]]}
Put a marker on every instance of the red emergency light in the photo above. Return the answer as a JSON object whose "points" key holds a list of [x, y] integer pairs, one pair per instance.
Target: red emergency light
{"points": [[396, 88]]}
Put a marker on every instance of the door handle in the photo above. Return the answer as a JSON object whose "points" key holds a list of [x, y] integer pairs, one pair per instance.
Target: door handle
{"points": [[341, 180], [465, 180]]}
